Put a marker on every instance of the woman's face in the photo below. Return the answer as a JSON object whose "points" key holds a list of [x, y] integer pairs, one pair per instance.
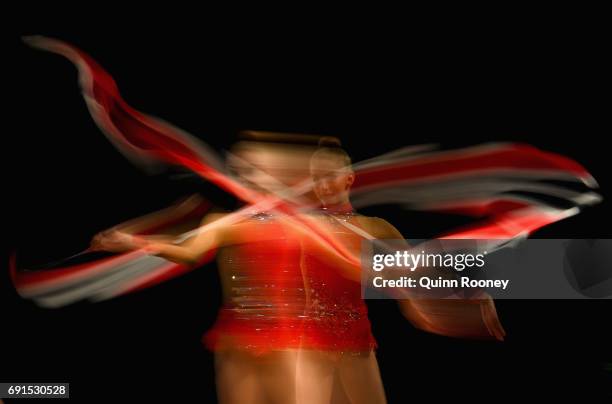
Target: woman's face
{"points": [[332, 181], [269, 168]]}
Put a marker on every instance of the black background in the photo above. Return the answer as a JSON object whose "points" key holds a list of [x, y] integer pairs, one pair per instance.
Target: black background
{"points": [[375, 88]]}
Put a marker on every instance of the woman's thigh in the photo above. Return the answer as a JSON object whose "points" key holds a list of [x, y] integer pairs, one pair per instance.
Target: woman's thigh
{"points": [[236, 378], [360, 377], [315, 376]]}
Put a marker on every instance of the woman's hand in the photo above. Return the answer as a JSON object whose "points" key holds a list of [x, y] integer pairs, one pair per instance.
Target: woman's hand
{"points": [[489, 316], [116, 241]]}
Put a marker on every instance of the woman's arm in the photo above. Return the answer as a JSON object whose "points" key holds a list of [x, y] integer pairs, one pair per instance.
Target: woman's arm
{"points": [[455, 317], [188, 252]]}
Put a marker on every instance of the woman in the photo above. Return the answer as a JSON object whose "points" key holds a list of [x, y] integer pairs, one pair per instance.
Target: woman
{"points": [[337, 338], [262, 259], [257, 332]]}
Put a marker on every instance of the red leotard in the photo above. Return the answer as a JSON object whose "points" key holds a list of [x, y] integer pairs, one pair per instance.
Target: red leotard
{"points": [[336, 315], [264, 291]]}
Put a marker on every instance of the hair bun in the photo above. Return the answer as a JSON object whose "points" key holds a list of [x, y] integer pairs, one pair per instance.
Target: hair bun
{"points": [[329, 141]]}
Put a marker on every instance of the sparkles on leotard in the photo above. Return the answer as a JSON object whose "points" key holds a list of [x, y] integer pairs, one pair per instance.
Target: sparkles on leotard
{"points": [[336, 316], [263, 289]]}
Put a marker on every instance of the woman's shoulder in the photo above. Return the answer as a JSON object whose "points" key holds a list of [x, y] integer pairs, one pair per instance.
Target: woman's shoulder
{"points": [[214, 216], [378, 227]]}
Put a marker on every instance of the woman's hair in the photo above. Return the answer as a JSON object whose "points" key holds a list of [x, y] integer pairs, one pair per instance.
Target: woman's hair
{"points": [[330, 147]]}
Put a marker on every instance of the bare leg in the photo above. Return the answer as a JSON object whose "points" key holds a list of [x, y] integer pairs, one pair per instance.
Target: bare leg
{"points": [[338, 394], [315, 377], [236, 378], [276, 374], [360, 378]]}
